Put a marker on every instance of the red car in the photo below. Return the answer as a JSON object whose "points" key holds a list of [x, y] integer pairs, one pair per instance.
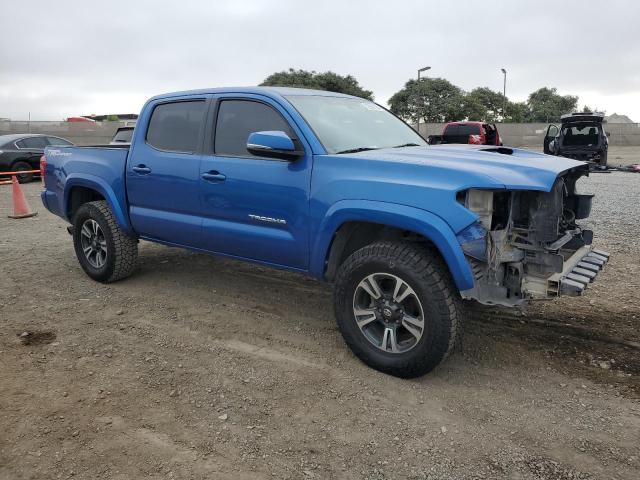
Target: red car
{"points": [[474, 133]]}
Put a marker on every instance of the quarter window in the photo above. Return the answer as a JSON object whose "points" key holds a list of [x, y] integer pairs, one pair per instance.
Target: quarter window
{"points": [[176, 126], [237, 119]]}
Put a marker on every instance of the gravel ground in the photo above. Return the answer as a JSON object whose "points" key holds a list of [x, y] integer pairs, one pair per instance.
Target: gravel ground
{"points": [[199, 367]]}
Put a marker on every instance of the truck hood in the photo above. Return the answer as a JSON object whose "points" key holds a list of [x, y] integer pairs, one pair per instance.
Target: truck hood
{"points": [[481, 166]]}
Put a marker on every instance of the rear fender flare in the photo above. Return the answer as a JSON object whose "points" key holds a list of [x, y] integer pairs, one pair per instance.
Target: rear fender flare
{"points": [[408, 218], [103, 188]]}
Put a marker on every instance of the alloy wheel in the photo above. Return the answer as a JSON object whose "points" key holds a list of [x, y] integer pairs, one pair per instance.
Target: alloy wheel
{"points": [[388, 312], [94, 243]]}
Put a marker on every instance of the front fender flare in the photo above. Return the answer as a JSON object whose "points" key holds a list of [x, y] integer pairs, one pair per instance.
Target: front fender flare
{"points": [[116, 204], [413, 219]]}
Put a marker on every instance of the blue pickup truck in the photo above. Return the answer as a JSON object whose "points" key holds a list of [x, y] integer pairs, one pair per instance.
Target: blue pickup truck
{"points": [[339, 188]]}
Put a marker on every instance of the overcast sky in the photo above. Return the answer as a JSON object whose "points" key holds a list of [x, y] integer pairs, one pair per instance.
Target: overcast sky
{"points": [[67, 57]]}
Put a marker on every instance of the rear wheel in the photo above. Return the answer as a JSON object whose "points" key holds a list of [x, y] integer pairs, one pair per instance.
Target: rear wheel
{"points": [[22, 177], [603, 160], [397, 308], [104, 251]]}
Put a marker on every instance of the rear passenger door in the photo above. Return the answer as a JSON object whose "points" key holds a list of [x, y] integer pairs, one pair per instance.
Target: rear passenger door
{"points": [[254, 207], [163, 172]]}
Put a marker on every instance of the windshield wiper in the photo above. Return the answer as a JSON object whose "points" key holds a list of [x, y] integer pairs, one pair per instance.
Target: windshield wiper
{"points": [[407, 145], [356, 150]]}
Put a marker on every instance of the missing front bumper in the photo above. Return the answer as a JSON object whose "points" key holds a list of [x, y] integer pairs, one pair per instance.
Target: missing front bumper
{"points": [[579, 271]]}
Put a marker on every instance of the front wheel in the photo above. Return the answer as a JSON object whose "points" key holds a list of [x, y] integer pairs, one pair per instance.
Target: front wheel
{"points": [[104, 251], [397, 308]]}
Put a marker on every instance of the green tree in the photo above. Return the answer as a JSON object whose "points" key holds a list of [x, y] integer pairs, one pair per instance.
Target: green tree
{"points": [[430, 100], [517, 112], [545, 105], [474, 109], [112, 118], [329, 81], [484, 105]]}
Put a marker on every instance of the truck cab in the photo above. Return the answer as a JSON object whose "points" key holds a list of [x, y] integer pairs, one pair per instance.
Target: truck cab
{"points": [[580, 136]]}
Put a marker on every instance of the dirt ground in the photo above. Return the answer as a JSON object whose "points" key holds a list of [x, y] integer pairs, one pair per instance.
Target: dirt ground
{"points": [[199, 367]]}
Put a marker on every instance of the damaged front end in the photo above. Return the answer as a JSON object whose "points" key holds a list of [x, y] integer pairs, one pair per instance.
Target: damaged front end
{"points": [[528, 245]]}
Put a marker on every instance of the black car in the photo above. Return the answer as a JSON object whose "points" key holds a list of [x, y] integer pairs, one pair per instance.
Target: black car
{"points": [[580, 136], [23, 152]]}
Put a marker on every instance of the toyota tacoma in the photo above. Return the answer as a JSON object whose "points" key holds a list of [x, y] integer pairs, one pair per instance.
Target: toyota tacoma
{"points": [[338, 188]]}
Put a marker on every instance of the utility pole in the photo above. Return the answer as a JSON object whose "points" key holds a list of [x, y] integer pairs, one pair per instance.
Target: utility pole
{"points": [[504, 96], [423, 69]]}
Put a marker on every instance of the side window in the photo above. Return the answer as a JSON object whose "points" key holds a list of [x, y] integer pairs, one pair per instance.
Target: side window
{"points": [[176, 126], [32, 142], [237, 119], [58, 142]]}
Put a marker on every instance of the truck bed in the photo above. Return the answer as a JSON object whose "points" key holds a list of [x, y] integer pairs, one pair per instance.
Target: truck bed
{"points": [[70, 167]]}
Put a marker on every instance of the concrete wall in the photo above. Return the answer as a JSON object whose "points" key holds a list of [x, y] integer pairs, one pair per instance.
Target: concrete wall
{"points": [[80, 133], [514, 134], [532, 134]]}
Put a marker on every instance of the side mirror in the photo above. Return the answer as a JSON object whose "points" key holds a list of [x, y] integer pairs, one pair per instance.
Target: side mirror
{"points": [[273, 144], [608, 134]]}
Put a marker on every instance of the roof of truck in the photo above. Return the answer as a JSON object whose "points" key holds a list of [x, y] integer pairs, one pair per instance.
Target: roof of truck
{"points": [[270, 91]]}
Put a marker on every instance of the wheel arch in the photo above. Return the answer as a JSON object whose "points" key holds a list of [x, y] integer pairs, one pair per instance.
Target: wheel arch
{"points": [[79, 190], [352, 224]]}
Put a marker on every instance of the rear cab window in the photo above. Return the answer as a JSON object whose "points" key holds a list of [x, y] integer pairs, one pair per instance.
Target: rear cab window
{"points": [[237, 119], [460, 133], [176, 126], [123, 135]]}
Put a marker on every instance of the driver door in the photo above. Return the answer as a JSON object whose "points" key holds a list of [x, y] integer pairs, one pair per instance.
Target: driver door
{"points": [[254, 207], [552, 134]]}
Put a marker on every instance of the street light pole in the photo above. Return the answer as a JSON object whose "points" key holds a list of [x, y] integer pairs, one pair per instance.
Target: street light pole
{"points": [[423, 69], [504, 96]]}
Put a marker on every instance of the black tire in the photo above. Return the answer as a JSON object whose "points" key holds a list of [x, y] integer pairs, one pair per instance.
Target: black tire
{"points": [[425, 272], [121, 249], [22, 177], [603, 160]]}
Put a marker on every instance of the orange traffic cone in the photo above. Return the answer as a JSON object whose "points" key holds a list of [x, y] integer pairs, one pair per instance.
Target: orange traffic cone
{"points": [[20, 206]]}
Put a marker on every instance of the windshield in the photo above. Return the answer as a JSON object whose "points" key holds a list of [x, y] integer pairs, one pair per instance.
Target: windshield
{"points": [[345, 124], [580, 134]]}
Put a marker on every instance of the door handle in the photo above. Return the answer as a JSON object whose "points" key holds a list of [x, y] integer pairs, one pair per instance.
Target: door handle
{"points": [[214, 176], [141, 169]]}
